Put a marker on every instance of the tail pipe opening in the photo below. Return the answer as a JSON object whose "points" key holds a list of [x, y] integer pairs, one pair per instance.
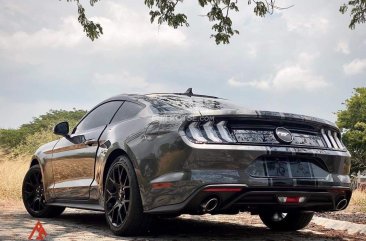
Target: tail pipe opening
{"points": [[342, 204], [209, 204]]}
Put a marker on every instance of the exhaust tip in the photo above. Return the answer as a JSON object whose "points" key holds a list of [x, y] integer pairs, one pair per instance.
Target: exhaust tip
{"points": [[210, 205], [342, 204]]}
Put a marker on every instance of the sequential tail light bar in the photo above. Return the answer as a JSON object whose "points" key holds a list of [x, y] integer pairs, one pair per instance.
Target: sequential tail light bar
{"points": [[209, 132]]}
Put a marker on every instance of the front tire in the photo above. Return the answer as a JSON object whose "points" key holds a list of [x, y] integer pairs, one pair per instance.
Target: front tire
{"points": [[33, 195], [122, 200], [291, 221]]}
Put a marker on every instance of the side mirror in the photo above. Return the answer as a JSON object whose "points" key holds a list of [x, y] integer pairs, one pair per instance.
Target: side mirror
{"points": [[61, 128]]}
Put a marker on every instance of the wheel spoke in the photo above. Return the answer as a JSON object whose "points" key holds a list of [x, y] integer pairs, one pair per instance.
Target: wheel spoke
{"points": [[112, 209], [42, 205], [112, 181], [29, 184], [124, 208], [111, 193], [34, 203], [120, 173], [120, 215], [110, 198], [126, 180], [28, 192], [37, 179], [39, 204], [29, 197], [114, 175], [115, 214]]}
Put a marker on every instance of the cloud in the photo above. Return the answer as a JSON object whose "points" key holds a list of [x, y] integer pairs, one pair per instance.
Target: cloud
{"points": [[124, 82], [298, 76], [259, 84], [122, 28], [343, 47], [357, 66], [305, 24], [68, 34], [286, 79], [306, 59]]}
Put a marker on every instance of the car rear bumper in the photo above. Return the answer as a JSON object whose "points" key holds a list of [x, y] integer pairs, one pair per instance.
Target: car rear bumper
{"points": [[198, 166], [232, 198]]}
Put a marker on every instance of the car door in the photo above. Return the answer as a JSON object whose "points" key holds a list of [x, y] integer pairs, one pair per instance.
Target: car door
{"points": [[74, 156]]}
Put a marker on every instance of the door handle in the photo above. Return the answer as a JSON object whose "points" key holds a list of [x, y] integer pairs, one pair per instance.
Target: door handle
{"points": [[90, 142]]}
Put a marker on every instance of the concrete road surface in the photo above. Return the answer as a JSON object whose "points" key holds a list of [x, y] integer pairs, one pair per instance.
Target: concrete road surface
{"points": [[16, 224]]}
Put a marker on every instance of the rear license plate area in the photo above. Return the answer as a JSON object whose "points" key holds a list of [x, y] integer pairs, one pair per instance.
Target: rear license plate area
{"points": [[287, 167]]}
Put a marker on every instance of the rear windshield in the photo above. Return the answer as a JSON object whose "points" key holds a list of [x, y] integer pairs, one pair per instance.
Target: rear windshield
{"points": [[176, 103]]}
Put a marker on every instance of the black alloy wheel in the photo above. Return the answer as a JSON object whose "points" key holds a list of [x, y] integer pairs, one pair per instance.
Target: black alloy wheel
{"points": [[117, 195], [33, 195], [122, 200]]}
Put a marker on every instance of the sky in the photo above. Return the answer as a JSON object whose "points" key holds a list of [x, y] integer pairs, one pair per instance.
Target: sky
{"points": [[302, 60]]}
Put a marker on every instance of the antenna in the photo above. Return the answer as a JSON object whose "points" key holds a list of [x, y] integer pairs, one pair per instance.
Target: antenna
{"points": [[189, 92]]}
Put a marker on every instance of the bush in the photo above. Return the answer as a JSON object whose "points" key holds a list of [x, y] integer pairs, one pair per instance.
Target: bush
{"points": [[358, 201], [28, 137]]}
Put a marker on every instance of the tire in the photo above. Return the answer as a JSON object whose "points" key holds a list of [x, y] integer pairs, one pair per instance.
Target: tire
{"points": [[122, 200], [33, 195], [286, 222]]}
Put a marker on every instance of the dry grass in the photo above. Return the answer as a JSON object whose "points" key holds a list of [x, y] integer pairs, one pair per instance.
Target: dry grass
{"points": [[12, 171], [358, 201]]}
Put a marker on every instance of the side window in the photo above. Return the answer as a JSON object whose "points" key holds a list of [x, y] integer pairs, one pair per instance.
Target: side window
{"points": [[100, 116], [127, 111]]}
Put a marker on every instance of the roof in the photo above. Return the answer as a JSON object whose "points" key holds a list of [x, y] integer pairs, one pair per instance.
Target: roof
{"points": [[135, 97]]}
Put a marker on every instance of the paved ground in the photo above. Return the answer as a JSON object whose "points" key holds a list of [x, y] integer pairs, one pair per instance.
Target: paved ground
{"points": [[346, 215], [16, 224]]}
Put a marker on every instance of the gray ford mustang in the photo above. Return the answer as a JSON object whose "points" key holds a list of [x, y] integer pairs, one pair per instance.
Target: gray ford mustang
{"points": [[139, 156]]}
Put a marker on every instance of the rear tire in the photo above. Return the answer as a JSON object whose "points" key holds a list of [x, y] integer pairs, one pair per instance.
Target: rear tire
{"points": [[122, 200], [286, 221], [33, 195]]}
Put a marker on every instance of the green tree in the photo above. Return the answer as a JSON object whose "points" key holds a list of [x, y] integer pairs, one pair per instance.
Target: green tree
{"points": [[28, 137], [164, 11], [352, 122], [357, 11]]}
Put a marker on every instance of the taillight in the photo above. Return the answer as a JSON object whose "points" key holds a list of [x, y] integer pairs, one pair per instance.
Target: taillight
{"points": [[332, 140], [224, 132], [196, 133], [209, 132]]}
